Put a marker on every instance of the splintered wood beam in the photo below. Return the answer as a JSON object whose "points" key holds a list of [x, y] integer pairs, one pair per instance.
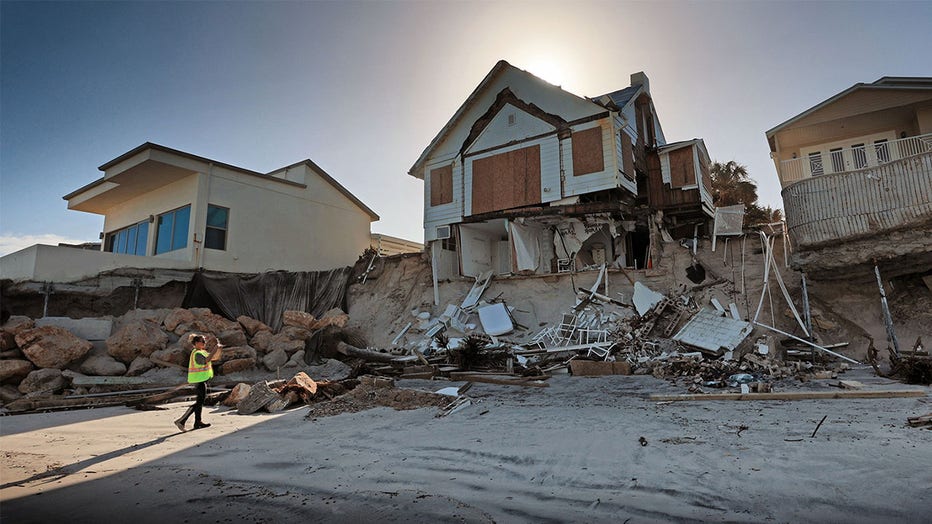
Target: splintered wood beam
{"points": [[794, 395]]}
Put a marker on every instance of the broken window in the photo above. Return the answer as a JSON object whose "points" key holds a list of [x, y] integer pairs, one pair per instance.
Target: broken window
{"points": [[216, 235], [587, 152], [172, 230], [449, 243]]}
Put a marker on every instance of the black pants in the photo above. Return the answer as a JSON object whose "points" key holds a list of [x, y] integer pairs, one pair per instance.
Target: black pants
{"points": [[201, 390]]}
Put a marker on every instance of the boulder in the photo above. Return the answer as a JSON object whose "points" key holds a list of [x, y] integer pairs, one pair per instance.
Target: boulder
{"points": [[236, 353], [238, 393], [275, 360], [138, 366], [261, 341], [298, 319], [7, 340], [285, 343], [136, 339], [14, 370], [9, 394], [12, 353], [233, 337], [296, 360], [216, 324], [17, 324], [47, 380], [295, 333], [236, 365], [177, 317], [251, 325], [172, 355], [334, 317], [102, 365], [51, 346]]}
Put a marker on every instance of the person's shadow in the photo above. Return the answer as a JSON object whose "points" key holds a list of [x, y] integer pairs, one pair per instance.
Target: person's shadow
{"points": [[63, 471]]}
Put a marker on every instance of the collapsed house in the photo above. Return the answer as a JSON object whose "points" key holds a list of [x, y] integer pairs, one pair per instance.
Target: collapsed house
{"points": [[527, 178]]}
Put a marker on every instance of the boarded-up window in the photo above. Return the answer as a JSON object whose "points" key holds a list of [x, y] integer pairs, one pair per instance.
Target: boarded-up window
{"points": [[506, 180], [627, 153], [441, 185], [682, 172], [587, 152]]}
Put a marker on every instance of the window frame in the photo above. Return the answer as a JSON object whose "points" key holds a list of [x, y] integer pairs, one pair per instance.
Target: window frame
{"points": [[225, 229], [113, 238], [172, 232]]}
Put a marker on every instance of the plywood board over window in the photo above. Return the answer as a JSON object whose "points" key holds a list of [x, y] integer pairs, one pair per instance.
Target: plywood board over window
{"points": [[587, 152], [682, 172], [441, 185], [506, 180]]}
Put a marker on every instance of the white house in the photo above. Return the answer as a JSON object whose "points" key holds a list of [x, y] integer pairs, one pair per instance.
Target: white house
{"points": [[528, 178], [165, 208]]}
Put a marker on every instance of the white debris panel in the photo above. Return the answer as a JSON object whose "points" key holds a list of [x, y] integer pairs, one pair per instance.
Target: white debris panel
{"points": [[711, 331]]}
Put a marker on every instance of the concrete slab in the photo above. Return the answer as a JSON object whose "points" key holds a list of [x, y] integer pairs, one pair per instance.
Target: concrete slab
{"points": [[711, 331], [86, 328]]}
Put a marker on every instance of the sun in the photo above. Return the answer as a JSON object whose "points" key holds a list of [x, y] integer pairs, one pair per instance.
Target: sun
{"points": [[548, 70]]}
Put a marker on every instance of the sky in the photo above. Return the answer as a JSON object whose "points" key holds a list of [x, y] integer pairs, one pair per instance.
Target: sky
{"points": [[361, 88]]}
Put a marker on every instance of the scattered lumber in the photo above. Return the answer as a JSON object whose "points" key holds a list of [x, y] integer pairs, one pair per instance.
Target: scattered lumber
{"points": [[499, 379], [371, 356], [921, 420], [795, 395]]}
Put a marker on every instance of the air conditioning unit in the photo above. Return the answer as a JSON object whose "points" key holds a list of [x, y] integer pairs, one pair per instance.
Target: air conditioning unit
{"points": [[443, 232]]}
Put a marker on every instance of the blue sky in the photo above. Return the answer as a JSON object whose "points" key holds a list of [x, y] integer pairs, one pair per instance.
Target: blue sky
{"points": [[362, 87]]}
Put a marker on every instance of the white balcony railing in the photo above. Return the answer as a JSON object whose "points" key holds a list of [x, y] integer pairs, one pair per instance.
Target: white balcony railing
{"points": [[854, 158]]}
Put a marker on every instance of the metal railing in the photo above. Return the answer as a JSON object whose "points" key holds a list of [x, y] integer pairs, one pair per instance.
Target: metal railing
{"points": [[846, 159]]}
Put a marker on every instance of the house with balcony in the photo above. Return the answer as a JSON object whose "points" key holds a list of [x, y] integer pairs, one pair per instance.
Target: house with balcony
{"points": [[856, 172], [171, 210], [526, 178]]}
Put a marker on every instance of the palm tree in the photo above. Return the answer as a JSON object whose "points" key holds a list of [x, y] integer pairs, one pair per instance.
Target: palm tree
{"points": [[731, 185]]}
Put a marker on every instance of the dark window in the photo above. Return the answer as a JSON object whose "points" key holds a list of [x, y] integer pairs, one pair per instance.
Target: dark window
{"points": [[859, 154], [448, 244], [883, 150], [217, 220], [838, 160], [172, 230], [130, 240]]}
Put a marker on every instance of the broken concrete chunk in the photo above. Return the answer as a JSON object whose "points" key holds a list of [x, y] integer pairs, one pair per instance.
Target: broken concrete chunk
{"points": [[714, 333], [645, 298]]}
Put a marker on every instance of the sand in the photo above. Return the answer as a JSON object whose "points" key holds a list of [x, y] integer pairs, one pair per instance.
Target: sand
{"points": [[571, 452]]}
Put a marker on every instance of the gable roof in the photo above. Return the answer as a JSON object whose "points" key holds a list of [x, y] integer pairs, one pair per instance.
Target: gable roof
{"points": [[500, 68], [622, 97], [884, 83], [265, 176]]}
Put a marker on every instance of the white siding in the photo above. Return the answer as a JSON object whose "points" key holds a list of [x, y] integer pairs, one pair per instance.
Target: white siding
{"points": [[549, 98], [444, 214], [499, 132], [605, 179], [665, 168], [549, 169]]}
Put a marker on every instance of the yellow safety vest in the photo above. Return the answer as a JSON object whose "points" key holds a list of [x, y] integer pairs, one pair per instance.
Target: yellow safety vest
{"points": [[196, 372]]}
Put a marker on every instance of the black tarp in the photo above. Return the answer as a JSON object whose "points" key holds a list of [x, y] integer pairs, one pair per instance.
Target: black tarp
{"points": [[267, 295]]}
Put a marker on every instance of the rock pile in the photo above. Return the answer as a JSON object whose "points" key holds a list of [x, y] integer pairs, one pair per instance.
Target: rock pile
{"points": [[142, 342]]}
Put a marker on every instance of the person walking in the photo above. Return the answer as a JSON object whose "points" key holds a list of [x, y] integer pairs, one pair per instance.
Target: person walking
{"points": [[199, 372]]}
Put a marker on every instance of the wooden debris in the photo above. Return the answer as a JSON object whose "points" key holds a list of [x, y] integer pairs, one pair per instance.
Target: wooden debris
{"points": [[922, 420], [259, 396], [797, 395]]}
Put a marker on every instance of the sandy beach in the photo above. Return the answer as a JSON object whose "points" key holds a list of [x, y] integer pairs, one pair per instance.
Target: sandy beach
{"points": [[582, 450]]}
